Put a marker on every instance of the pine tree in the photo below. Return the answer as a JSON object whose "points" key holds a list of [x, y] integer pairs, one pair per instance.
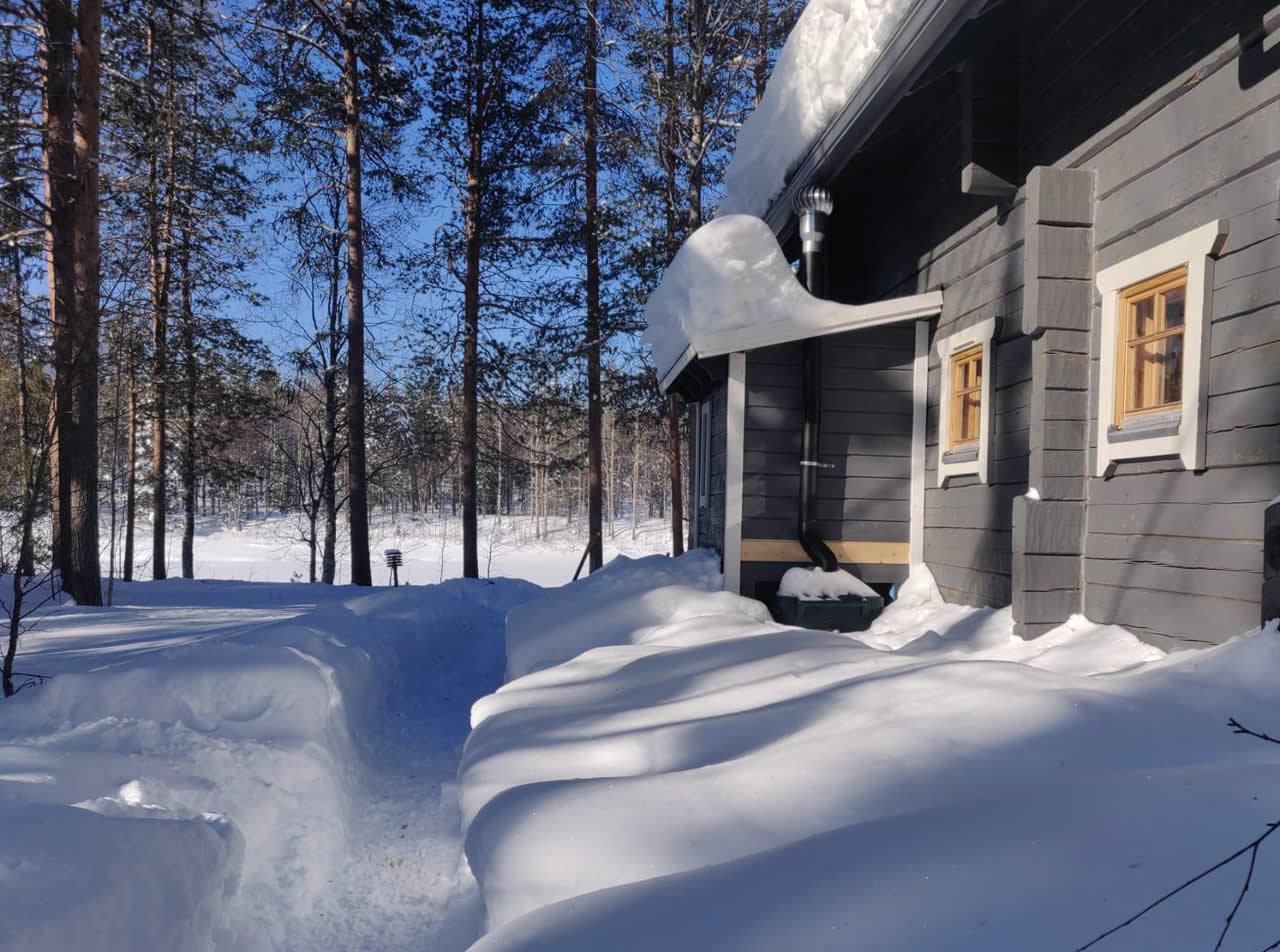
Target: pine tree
{"points": [[70, 57], [488, 118], [342, 63]]}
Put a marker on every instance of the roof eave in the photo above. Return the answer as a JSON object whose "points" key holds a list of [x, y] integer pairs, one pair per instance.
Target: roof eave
{"points": [[856, 317]]}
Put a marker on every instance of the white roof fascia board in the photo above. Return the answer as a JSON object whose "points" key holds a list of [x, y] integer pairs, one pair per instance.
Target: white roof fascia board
{"points": [[682, 361], [859, 317]]}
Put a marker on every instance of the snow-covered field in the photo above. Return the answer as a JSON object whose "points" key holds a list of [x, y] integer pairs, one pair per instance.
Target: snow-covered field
{"points": [[706, 779], [231, 765], [271, 549]]}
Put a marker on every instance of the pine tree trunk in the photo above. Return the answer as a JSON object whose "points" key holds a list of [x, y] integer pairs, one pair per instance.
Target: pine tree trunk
{"points": [[357, 470], [635, 477], [329, 444], [131, 468], [673, 464], [189, 413], [26, 550], [160, 228], [59, 157], [311, 545], [697, 114], [592, 168], [760, 70], [75, 332], [471, 307], [673, 408], [497, 495]]}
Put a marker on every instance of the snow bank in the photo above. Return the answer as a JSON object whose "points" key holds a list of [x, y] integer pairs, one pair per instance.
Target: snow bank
{"points": [[188, 778], [77, 880], [801, 582], [831, 48], [620, 598], [721, 781]]}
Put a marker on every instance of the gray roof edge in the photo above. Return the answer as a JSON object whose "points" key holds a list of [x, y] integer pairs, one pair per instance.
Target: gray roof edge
{"points": [[928, 25]]}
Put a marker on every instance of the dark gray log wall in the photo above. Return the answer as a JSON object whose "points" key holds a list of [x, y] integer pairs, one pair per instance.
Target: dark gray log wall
{"points": [[866, 439], [967, 542], [711, 516], [1176, 107], [1174, 555]]}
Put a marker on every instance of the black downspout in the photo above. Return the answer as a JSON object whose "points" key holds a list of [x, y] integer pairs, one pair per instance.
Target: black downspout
{"points": [[812, 204]]}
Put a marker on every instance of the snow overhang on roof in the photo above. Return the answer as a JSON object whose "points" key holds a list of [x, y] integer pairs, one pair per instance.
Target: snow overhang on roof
{"points": [[730, 288], [842, 69]]}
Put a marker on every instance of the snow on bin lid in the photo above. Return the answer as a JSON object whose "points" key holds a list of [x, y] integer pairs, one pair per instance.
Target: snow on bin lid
{"points": [[811, 583], [730, 288], [828, 53]]}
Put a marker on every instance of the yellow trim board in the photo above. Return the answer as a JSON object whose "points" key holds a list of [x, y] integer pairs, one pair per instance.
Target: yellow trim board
{"points": [[864, 553]]}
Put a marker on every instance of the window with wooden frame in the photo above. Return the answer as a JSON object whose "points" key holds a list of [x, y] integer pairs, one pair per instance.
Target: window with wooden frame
{"points": [[967, 356], [1153, 367], [1152, 326], [966, 398]]}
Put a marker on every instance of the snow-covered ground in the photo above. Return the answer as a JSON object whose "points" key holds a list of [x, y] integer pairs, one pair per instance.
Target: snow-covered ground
{"points": [[271, 549], [218, 765], [704, 778], [246, 766], [249, 766]]}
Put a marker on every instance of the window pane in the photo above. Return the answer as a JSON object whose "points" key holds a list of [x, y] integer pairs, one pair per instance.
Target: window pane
{"points": [[1175, 307], [1144, 317], [969, 405], [1139, 373], [1171, 380], [975, 374], [1155, 373]]}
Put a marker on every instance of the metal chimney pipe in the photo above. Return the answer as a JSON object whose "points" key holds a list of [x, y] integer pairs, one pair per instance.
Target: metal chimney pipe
{"points": [[813, 205]]}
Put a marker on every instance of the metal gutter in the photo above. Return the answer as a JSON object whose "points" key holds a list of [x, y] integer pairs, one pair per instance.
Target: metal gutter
{"points": [[929, 26]]}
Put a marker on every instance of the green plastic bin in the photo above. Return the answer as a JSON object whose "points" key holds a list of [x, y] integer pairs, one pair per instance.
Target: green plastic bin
{"points": [[847, 613]]}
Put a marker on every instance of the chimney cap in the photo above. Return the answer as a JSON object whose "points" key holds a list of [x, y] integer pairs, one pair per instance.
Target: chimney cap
{"points": [[813, 198]]}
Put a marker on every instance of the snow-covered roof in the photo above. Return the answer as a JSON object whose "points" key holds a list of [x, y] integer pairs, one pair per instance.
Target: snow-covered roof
{"points": [[730, 288], [830, 50]]}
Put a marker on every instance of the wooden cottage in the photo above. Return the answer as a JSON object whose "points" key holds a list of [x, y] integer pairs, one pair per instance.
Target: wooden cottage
{"points": [[1068, 212]]}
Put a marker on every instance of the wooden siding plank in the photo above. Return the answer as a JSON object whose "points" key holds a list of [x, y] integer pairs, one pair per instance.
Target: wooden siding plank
{"points": [[1227, 485], [1244, 331], [1238, 555], [988, 551], [969, 586], [1260, 407], [1196, 619], [1220, 583], [1246, 369], [768, 460], [1244, 447], [1234, 151], [868, 552], [1189, 520], [767, 527]]}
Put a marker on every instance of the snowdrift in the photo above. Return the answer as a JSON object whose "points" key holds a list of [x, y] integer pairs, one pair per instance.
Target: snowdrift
{"points": [[186, 778], [715, 780]]}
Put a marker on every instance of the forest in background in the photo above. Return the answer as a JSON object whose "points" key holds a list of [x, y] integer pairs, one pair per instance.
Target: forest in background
{"points": [[323, 256]]}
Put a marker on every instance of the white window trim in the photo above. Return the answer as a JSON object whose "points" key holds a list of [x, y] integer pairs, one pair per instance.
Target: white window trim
{"points": [[735, 425], [981, 333], [1196, 250]]}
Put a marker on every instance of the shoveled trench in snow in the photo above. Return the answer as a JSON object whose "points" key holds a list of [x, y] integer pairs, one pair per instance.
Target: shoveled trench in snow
{"points": [[716, 780], [246, 766]]}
